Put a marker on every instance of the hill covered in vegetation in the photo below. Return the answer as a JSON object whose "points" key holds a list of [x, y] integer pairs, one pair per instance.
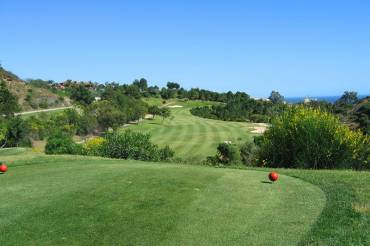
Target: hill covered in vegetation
{"points": [[359, 115], [31, 97]]}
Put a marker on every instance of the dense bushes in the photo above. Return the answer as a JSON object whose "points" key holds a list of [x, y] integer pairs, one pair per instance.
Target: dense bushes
{"points": [[93, 146], [116, 109], [8, 102], [227, 154], [301, 137], [120, 145], [61, 143], [14, 132], [248, 153], [240, 107], [133, 145], [309, 138]]}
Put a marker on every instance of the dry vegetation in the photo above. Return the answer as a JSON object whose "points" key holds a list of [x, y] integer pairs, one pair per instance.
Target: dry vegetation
{"points": [[30, 97]]}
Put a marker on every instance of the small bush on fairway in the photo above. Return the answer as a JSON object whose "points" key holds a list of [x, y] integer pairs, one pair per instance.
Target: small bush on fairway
{"points": [[133, 145], [310, 138], [61, 143], [227, 153], [248, 153], [166, 153]]}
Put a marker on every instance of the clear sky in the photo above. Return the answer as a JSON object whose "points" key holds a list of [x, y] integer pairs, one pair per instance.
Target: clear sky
{"points": [[300, 48]]}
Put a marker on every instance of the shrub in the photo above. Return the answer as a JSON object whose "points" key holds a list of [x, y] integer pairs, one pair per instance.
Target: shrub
{"points": [[108, 115], [8, 102], [166, 153], [259, 118], [14, 132], [37, 128], [43, 104], [133, 145], [93, 146], [248, 153], [310, 138], [80, 94], [227, 153], [60, 143]]}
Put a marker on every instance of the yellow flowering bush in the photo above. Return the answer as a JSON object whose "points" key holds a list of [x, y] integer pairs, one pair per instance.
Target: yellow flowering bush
{"points": [[93, 146], [310, 138]]}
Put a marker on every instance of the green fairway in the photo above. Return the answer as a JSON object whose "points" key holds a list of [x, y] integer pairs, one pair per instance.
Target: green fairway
{"points": [[193, 138], [47, 200]]}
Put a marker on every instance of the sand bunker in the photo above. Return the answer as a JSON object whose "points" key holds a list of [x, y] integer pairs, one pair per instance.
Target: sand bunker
{"points": [[259, 128], [175, 106]]}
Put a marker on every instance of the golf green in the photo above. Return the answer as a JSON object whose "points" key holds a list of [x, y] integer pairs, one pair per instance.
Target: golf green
{"points": [[47, 200]]}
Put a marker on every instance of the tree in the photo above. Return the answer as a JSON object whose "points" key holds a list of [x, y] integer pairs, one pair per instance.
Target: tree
{"points": [[154, 110], [133, 90], [3, 133], [168, 93], [194, 93], [173, 86], [153, 90], [165, 113], [348, 98], [276, 98], [82, 95], [16, 133], [142, 84], [108, 115], [8, 102]]}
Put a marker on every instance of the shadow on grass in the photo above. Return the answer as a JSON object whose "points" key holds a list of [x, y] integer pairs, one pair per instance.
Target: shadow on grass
{"points": [[154, 123], [266, 182]]}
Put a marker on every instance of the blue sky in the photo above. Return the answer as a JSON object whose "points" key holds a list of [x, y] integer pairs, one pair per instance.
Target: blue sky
{"points": [[300, 48]]}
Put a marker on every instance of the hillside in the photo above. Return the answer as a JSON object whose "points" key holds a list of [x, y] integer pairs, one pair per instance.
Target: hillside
{"points": [[358, 116], [30, 97]]}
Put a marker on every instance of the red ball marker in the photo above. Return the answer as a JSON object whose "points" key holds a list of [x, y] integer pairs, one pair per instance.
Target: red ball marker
{"points": [[3, 168], [273, 176]]}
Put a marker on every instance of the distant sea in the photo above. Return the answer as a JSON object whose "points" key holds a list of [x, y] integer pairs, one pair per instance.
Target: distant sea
{"points": [[330, 99]]}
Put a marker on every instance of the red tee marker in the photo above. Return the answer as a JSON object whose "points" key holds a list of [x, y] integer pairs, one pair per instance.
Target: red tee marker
{"points": [[3, 168], [273, 176]]}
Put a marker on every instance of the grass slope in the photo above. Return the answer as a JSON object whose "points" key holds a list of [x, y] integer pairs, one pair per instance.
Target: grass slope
{"points": [[193, 138], [47, 200], [345, 219]]}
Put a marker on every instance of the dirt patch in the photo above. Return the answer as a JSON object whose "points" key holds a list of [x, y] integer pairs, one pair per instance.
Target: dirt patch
{"points": [[360, 208]]}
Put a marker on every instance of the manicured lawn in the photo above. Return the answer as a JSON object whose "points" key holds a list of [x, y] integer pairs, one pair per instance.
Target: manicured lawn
{"points": [[53, 200], [193, 138], [345, 219]]}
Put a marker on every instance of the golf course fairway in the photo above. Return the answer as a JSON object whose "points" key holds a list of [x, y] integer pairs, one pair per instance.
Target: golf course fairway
{"points": [[193, 138], [54, 200]]}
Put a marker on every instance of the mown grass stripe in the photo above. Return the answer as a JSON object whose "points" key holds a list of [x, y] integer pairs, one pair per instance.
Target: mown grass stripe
{"points": [[200, 139], [193, 131]]}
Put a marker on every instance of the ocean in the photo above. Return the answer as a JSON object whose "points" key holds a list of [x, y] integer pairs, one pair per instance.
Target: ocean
{"points": [[330, 99]]}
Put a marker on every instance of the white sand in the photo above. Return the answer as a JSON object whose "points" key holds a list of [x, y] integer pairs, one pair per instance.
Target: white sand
{"points": [[259, 128], [175, 106]]}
